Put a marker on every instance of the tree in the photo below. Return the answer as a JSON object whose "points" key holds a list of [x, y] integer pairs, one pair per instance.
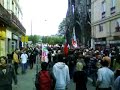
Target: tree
{"points": [[53, 40], [62, 27], [34, 38]]}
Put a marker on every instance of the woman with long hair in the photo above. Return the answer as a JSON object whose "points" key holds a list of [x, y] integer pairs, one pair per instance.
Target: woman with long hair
{"points": [[6, 75]]}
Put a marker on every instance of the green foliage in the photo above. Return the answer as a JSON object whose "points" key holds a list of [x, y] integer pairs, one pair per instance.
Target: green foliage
{"points": [[62, 25], [46, 39], [34, 38], [53, 40]]}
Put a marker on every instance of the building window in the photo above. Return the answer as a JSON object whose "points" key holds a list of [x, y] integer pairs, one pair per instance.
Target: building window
{"points": [[100, 28], [2, 2], [12, 6], [16, 11], [8, 4], [103, 9], [73, 9], [88, 2], [113, 3], [113, 6], [117, 25]]}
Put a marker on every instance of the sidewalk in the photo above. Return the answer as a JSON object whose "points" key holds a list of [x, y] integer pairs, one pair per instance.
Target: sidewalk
{"points": [[26, 81]]}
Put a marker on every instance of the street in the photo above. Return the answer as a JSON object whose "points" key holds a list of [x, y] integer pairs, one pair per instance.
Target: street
{"points": [[26, 81]]}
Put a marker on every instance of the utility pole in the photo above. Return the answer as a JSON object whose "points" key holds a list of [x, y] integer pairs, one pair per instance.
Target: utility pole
{"points": [[31, 27]]}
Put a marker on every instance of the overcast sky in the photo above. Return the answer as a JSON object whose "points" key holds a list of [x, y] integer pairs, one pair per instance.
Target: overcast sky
{"points": [[46, 15]]}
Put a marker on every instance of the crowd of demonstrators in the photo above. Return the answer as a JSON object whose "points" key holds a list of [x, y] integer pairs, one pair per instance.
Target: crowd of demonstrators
{"points": [[82, 63], [101, 65]]}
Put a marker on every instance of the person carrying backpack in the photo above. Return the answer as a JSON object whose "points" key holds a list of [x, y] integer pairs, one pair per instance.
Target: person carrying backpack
{"points": [[45, 80]]}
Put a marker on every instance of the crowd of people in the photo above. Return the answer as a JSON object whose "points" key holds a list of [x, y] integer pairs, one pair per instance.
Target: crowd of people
{"points": [[9, 65], [101, 65]]}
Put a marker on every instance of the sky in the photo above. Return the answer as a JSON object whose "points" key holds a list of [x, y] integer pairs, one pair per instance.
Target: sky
{"points": [[45, 15]]}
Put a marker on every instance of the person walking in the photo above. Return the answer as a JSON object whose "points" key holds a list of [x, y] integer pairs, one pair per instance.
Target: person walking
{"points": [[105, 77], [61, 73], [80, 77], [107, 58], [6, 75], [31, 61], [45, 80], [16, 61], [24, 58], [117, 80]]}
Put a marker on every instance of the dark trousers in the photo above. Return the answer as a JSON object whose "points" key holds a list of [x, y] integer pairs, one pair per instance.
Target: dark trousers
{"points": [[16, 67], [31, 64], [6, 87], [112, 61], [104, 88]]}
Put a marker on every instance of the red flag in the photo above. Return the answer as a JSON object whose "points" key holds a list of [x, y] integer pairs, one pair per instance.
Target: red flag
{"points": [[66, 49]]}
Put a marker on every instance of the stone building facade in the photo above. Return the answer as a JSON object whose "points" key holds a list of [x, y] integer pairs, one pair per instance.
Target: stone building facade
{"points": [[11, 28], [105, 19]]}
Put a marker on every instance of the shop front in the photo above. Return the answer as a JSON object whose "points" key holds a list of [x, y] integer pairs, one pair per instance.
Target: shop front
{"points": [[8, 41], [15, 42], [2, 41]]}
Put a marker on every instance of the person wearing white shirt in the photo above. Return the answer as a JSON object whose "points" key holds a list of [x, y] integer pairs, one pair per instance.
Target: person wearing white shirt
{"points": [[24, 58]]}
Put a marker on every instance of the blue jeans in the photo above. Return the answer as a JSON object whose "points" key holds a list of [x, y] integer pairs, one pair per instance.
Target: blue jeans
{"points": [[24, 66]]}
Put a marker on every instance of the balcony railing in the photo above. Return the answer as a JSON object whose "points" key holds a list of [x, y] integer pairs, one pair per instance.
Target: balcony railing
{"points": [[4, 15], [117, 29], [112, 10], [17, 22], [103, 14], [10, 19]]}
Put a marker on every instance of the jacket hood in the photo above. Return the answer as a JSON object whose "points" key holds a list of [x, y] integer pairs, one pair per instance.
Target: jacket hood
{"points": [[60, 65]]}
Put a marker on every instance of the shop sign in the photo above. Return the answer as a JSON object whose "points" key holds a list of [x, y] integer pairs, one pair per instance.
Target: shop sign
{"points": [[8, 34], [2, 34], [115, 42], [102, 42], [24, 38], [15, 37]]}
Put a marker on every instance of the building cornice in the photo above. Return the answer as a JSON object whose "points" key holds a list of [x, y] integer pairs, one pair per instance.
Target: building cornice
{"points": [[110, 18]]}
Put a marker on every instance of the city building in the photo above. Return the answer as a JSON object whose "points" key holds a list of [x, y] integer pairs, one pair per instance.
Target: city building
{"points": [[11, 28], [105, 22]]}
